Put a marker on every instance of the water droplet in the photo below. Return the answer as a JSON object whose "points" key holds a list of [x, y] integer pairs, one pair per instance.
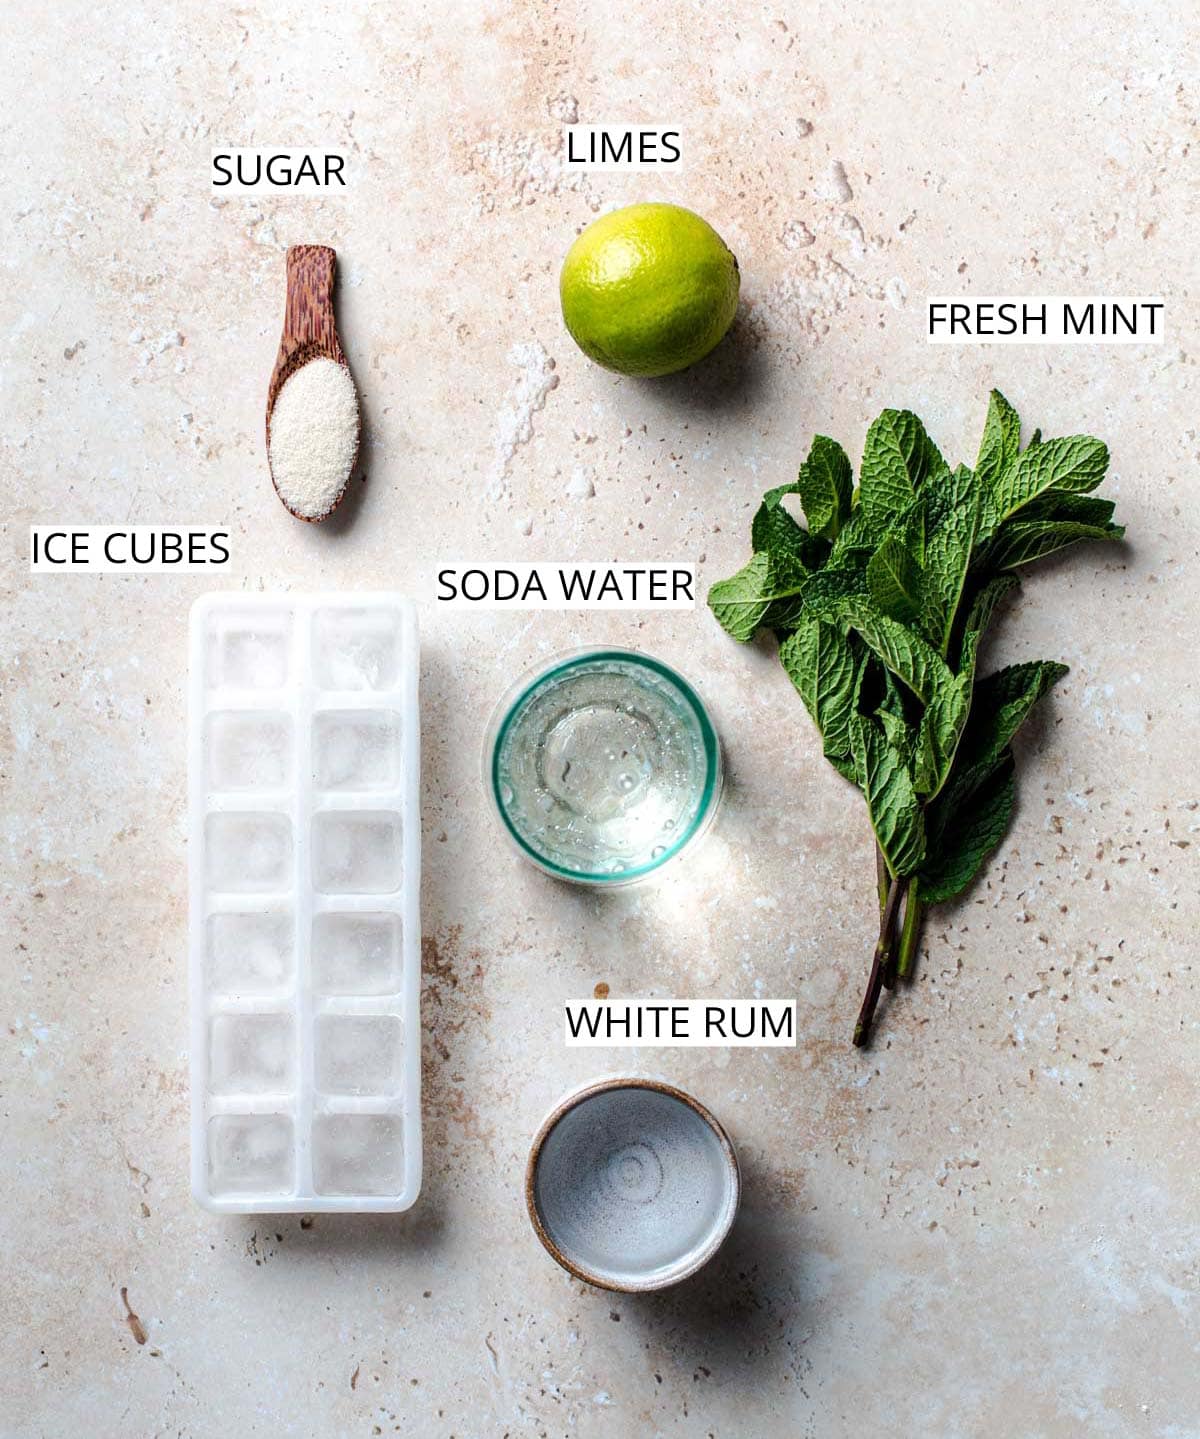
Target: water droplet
{"points": [[658, 851], [670, 824], [506, 794], [625, 781]]}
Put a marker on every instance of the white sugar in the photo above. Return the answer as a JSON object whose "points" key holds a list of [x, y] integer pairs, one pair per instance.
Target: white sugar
{"points": [[314, 437]]}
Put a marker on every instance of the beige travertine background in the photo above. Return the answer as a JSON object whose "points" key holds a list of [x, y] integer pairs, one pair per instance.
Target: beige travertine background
{"points": [[988, 1225]]}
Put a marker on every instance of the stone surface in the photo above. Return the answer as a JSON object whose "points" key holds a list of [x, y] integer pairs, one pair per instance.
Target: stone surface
{"points": [[986, 1225]]}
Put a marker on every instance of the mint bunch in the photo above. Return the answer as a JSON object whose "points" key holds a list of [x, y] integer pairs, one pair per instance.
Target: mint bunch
{"points": [[880, 605]]}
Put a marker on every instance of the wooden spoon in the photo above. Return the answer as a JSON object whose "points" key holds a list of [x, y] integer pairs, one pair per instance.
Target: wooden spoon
{"points": [[309, 333]]}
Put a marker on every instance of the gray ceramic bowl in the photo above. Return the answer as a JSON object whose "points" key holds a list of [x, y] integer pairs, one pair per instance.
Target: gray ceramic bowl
{"points": [[632, 1184]]}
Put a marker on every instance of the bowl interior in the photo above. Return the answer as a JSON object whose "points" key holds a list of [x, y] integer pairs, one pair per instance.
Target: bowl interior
{"points": [[634, 1187]]}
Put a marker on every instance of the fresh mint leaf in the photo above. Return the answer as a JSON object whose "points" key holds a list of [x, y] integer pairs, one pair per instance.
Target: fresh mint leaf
{"points": [[974, 827], [827, 590], [899, 734], [983, 606], [892, 802], [908, 656], [948, 547], [1002, 704], [896, 579], [825, 485], [824, 665], [776, 532], [743, 603], [941, 729], [1001, 440], [1076, 463], [854, 535], [897, 457], [1019, 543], [1055, 504], [917, 664]]}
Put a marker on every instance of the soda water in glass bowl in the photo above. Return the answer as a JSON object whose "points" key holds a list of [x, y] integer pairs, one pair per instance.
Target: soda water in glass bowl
{"points": [[603, 766]]}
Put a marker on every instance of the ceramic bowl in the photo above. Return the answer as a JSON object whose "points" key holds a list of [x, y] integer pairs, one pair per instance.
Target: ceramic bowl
{"points": [[632, 1184]]}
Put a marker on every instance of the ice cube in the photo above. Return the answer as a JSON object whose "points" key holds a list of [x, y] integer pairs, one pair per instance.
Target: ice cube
{"points": [[358, 1053], [358, 1154], [356, 953], [252, 1054], [248, 853], [356, 852], [249, 953], [356, 749], [246, 750], [250, 1152], [250, 649], [357, 649]]}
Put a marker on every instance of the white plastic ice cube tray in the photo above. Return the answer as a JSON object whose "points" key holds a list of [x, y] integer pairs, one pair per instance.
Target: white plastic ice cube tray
{"points": [[304, 872]]}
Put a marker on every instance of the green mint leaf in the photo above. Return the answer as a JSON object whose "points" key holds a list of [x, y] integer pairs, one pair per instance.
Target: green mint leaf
{"points": [[827, 590], [1002, 704], [899, 733], [892, 802], [742, 603], [825, 485], [1055, 504], [897, 457], [1001, 440], [896, 579], [979, 616], [1076, 463], [846, 767], [970, 830], [774, 530], [854, 535], [948, 547], [908, 656], [941, 730], [824, 665], [1018, 543]]}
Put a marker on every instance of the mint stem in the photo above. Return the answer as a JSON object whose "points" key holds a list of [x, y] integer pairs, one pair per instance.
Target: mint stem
{"points": [[910, 934], [883, 948], [882, 878]]}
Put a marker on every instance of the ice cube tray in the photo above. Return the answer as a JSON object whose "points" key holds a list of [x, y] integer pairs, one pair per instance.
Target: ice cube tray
{"points": [[304, 873]]}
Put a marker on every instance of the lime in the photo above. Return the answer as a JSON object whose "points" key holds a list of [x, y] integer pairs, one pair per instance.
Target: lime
{"points": [[648, 289]]}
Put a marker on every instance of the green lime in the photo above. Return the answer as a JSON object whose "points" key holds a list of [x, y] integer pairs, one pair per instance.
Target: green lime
{"points": [[648, 289]]}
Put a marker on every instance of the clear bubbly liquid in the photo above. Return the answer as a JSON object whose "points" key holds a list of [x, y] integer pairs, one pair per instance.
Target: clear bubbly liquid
{"points": [[603, 768]]}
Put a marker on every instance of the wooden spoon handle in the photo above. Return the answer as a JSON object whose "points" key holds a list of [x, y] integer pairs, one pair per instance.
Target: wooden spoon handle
{"points": [[309, 327], [308, 317]]}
